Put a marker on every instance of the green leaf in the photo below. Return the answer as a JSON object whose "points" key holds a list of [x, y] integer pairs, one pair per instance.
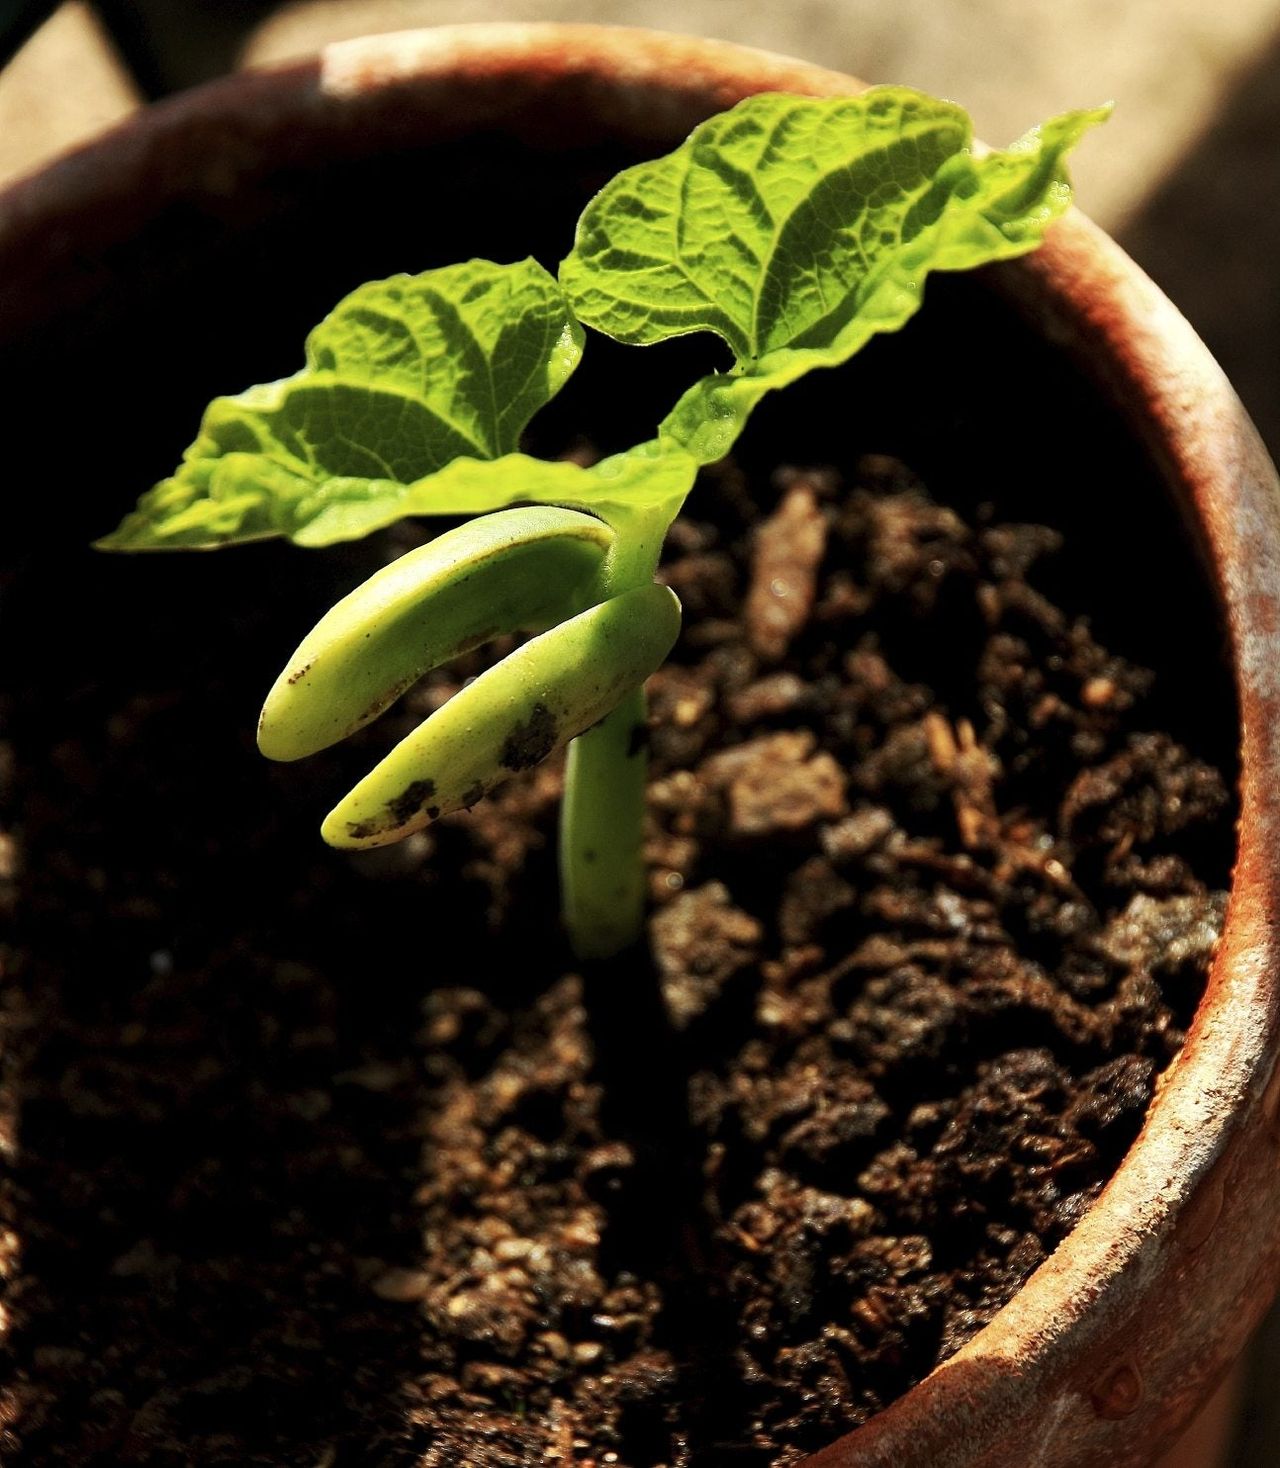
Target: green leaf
{"points": [[645, 483], [796, 228], [404, 376]]}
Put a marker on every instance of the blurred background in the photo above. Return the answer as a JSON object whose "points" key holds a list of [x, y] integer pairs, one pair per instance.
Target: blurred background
{"points": [[1186, 176]]}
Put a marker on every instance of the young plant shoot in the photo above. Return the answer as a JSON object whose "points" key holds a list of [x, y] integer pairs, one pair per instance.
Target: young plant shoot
{"points": [[793, 228]]}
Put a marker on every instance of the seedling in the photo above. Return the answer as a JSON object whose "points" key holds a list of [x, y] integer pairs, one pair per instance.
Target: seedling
{"points": [[795, 229]]}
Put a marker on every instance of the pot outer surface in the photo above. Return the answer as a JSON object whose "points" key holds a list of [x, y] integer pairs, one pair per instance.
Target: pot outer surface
{"points": [[189, 254]]}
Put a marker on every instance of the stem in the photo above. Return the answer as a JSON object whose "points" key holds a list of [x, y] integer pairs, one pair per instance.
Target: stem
{"points": [[602, 878], [601, 826]]}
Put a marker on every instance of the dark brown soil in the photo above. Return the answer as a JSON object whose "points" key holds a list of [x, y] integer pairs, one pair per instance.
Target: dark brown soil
{"points": [[332, 1160]]}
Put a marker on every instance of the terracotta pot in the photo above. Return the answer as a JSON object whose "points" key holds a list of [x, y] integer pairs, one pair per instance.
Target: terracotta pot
{"points": [[1114, 1342]]}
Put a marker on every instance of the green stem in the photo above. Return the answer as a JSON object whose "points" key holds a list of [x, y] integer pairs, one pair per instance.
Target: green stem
{"points": [[601, 826], [602, 878]]}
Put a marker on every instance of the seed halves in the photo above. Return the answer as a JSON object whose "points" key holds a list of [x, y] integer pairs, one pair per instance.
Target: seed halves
{"points": [[514, 715], [516, 570]]}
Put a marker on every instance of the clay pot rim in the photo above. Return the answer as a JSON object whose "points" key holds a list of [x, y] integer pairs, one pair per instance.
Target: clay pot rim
{"points": [[1084, 1360]]}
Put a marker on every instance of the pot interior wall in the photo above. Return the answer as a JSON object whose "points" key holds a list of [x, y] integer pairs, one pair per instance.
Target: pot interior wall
{"points": [[216, 292]]}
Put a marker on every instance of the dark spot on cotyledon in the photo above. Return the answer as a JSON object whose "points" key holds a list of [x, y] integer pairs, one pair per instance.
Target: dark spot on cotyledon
{"points": [[639, 740], [298, 674], [530, 743], [588, 856], [384, 700], [410, 801], [362, 830], [470, 641], [473, 796]]}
